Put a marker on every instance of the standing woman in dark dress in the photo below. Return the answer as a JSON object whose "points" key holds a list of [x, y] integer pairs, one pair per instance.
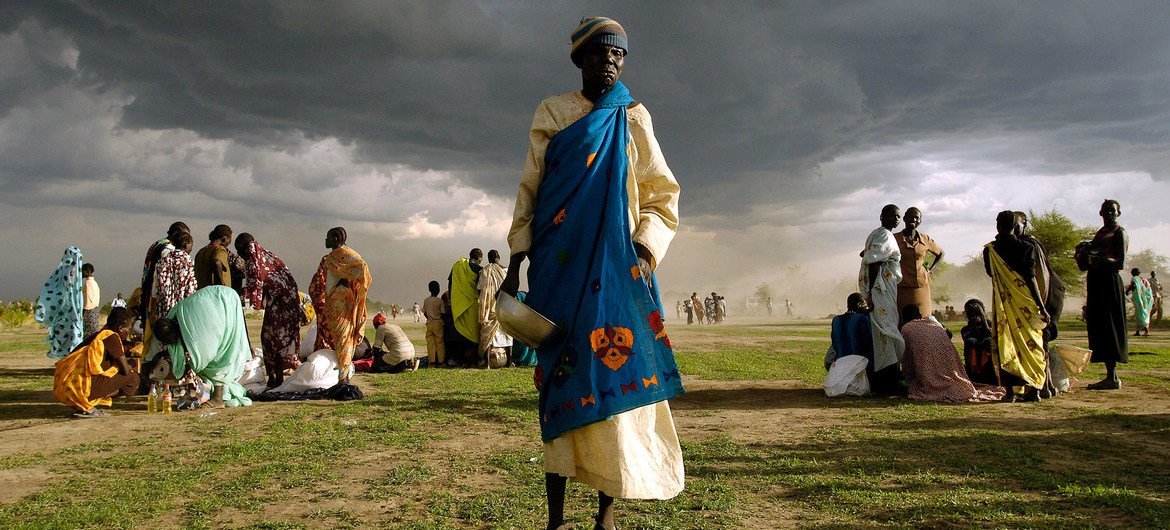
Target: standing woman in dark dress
{"points": [[1103, 259]]}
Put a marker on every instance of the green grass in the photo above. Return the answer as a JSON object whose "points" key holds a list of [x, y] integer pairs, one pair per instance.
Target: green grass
{"points": [[460, 449]]}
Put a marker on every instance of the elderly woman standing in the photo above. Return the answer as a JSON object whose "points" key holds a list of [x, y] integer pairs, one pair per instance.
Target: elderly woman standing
{"points": [[914, 245], [269, 285], [1103, 259], [595, 213]]}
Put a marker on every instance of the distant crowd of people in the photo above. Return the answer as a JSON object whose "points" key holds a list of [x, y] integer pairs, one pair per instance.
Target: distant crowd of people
{"points": [[708, 310]]}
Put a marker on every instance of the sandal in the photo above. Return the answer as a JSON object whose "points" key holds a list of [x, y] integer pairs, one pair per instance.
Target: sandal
{"points": [[95, 413]]}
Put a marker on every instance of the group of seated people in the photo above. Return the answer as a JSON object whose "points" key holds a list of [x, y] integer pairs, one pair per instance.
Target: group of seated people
{"points": [[205, 344], [931, 366]]}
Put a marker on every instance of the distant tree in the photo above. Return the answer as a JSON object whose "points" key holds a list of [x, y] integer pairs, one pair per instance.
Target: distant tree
{"points": [[1060, 236], [1148, 260], [940, 292], [764, 292]]}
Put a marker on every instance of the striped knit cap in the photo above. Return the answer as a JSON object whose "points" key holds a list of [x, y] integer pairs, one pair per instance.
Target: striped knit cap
{"points": [[596, 29]]}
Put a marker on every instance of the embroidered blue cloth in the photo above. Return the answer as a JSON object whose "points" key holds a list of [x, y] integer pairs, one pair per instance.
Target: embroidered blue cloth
{"points": [[615, 355], [60, 304]]}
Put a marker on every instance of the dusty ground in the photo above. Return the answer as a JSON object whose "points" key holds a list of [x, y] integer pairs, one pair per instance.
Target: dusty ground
{"points": [[752, 419]]}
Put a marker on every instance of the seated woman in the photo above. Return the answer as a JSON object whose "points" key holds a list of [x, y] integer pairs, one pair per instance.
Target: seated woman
{"points": [[978, 344], [851, 333], [932, 366], [207, 331], [97, 369]]}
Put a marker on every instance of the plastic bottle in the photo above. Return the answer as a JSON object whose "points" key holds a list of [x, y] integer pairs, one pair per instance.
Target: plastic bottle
{"points": [[166, 400], [152, 399]]}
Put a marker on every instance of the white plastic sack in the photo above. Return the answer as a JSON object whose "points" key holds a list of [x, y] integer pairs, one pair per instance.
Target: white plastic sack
{"points": [[318, 371], [254, 377], [310, 339], [847, 377], [1075, 359], [1059, 371]]}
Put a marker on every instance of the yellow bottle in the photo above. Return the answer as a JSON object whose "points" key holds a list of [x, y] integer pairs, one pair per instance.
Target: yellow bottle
{"points": [[166, 400], [152, 399]]}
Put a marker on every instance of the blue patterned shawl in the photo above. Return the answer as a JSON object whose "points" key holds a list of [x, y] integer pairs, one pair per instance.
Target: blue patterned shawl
{"points": [[60, 304], [584, 276]]}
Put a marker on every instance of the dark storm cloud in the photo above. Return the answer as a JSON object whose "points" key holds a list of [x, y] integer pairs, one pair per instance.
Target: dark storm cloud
{"points": [[748, 101]]}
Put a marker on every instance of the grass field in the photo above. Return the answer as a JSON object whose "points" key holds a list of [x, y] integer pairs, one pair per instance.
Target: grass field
{"points": [[460, 449]]}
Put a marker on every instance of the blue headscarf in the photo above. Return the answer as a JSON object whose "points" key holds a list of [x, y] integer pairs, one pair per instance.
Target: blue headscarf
{"points": [[584, 276], [60, 304]]}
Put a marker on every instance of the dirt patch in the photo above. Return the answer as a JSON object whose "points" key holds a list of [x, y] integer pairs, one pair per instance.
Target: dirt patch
{"points": [[16, 483]]}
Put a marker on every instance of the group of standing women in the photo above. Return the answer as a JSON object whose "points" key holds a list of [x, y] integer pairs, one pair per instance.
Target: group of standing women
{"points": [[895, 274]]}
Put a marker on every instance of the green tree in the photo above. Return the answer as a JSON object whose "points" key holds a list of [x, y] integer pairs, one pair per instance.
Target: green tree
{"points": [[1148, 260], [1060, 236], [940, 291]]}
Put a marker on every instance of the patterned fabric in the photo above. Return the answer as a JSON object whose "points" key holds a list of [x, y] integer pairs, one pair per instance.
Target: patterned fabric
{"points": [[307, 306], [73, 375], [215, 339], [341, 310], [490, 335], [174, 280], [59, 306], [882, 250], [1143, 301], [1019, 337], [153, 254], [91, 321], [651, 189], [933, 369], [584, 276], [269, 285]]}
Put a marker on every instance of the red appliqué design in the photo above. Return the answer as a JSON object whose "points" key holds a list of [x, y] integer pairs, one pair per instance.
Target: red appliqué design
{"points": [[612, 345]]}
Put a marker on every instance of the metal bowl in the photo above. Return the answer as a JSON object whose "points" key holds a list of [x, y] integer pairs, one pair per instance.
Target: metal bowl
{"points": [[524, 323]]}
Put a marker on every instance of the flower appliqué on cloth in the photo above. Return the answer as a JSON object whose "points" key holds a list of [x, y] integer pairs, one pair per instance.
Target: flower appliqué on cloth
{"points": [[612, 345], [657, 325]]}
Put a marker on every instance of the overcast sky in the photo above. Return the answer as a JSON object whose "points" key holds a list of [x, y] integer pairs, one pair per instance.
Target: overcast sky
{"points": [[788, 126]]}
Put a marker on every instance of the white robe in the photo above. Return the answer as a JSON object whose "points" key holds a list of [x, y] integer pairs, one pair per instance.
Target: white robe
{"points": [[882, 249]]}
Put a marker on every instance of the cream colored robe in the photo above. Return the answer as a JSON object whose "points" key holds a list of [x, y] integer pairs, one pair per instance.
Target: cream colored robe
{"points": [[490, 335]]}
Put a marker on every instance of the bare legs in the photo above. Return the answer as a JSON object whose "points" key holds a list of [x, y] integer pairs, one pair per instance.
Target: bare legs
{"points": [[1111, 381], [554, 490], [604, 519]]}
